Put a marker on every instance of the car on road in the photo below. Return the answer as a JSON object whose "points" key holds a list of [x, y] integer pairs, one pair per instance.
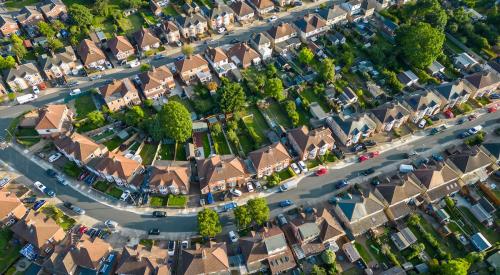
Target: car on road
{"points": [[108, 65], [230, 206], [438, 129], [341, 184], [373, 154], [281, 219], [495, 96], [154, 231], [55, 157], [38, 204], [75, 92], [171, 248], [295, 168], [95, 77], [285, 203], [475, 130], [36, 90], [472, 117], [134, 63], [74, 208], [236, 192], [464, 135], [125, 195], [283, 188], [492, 109], [233, 237], [250, 187], [321, 172], [302, 166], [422, 123], [51, 172], [159, 214], [369, 143], [411, 154], [44, 189], [61, 180], [437, 157], [272, 18], [72, 84], [363, 158], [158, 56], [4, 181], [111, 224], [368, 171], [375, 181]]}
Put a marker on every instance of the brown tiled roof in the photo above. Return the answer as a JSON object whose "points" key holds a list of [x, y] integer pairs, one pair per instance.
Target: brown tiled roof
{"points": [[399, 189], [241, 8], [37, 229], [205, 259], [215, 168], [154, 77], [435, 176], [139, 260], [117, 89], [262, 4], [310, 23], [80, 147], [216, 54], [9, 203], [119, 44], [483, 79], [170, 26], [243, 52], [470, 160], [51, 117], [88, 252], [328, 226], [170, 175], [389, 112], [307, 140], [190, 63], [144, 37], [269, 156], [89, 52], [116, 165], [281, 30]]}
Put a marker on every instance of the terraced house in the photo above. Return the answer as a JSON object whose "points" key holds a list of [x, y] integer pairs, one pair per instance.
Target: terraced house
{"points": [[217, 173], [156, 82], [220, 15], [119, 94], [79, 148], [452, 93], [471, 163], [270, 159], [439, 180], [310, 144], [169, 179]]}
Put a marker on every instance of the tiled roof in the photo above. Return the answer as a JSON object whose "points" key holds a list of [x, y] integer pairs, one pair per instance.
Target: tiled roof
{"points": [[216, 168], [167, 176], [269, 156], [389, 112], [80, 147], [9, 203], [51, 116], [281, 30], [36, 228], [483, 79], [308, 140], [310, 23], [115, 165], [241, 8], [140, 260], [117, 89], [144, 37], [216, 54], [190, 63], [243, 52], [154, 77], [119, 44], [205, 259], [89, 52]]}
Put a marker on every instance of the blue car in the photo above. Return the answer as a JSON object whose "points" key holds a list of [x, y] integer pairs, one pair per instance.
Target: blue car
{"points": [[49, 192], [495, 96], [437, 157], [38, 205], [286, 203], [341, 184], [230, 206]]}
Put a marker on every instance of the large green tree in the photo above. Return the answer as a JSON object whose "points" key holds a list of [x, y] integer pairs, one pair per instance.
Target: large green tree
{"points": [[231, 96], [7, 62], [306, 56], [17, 47], [96, 118], [242, 216], [457, 266], [177, 121], [46, 29], [429, 11], [81, 15], [259, 210], [420, 43], [208, 223], [55, 44], [274, 89], [134, 116], [327, 70], [318, 270]]}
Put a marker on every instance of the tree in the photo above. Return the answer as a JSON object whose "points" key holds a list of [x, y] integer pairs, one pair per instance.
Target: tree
{"points": [[233, 137], [414, 220], [209, 223], [80, 15], [187, 49], [274, 89], [318, 270], [457, 266], [306, 56], [96, 118], [55, 44], [145, 67], [134, 116], [328, 256], [417, 248], [46, 29], [212, 86], [7, 63], [327, 70], [17, 47], [271, 70], [242, 217], [177, 121], [420, 43], [429, 11], [231, 96], [133, 4], [57, 25], [216, 129], [475, 257], [259, 210], [148, 102], [392, 80]]}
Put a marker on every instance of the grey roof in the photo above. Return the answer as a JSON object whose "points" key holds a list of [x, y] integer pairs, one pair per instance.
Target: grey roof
{"points": [[470, 160], [493, 148], [451, 90], [308, 230], [275, 242], [21, 71], [260, 38], [422, 100], [331, 13], [354, 124], [435, 67], [480, 242], [360, 207], [48, 5], [487, 205], [65, 57], [192, 19], [406, 77], [219, 9]]}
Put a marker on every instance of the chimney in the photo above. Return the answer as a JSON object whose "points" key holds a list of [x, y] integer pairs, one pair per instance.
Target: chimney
{"points": [[203, 253]]}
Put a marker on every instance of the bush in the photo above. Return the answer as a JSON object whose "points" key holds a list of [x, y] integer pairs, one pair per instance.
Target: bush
{"points": [[449, 202], [254, 135]]}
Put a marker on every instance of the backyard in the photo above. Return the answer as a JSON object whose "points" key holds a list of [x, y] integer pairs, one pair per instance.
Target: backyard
{"points": [[12, 4], [253, 119], [311, 96], [278, 114], [488, 233], [84, 105], [27, 136], [220, 144], [10, 252], [206, 145], [148, 152], [167, 152], [113, 143]]}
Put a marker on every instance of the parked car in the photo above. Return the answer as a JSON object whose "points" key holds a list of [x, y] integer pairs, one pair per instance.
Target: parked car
{"points": [[83, 175], [272, 18], [55, 157], [495, 96], [178, 43], [30, 199], [40, 186], [61, 180], [363, 158], [125, 195], [368, 171], [250, 187], [321, 172], [369, 143], [154, 231], [302, 166], [357, 148], [50, 172], [108, 65], [4, 181], [38, 205], [283, 188], [233, 237], [257, 184], [375, 181], [134, 63], [437, 157], [341, 184], [159, 214], [185, 244], [295, 168], [236, 192], [285, 203], [111, 224], [492, 109], [422, 123], [75, 92], [171, 248], [475, 130], [472, 117], [281, 219], [36, 90], [411, 154], [373, 154]]}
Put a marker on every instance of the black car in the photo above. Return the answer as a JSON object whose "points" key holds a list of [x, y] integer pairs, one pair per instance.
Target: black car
{"points": [[375, 181], [368, 172], [368, 143], [159, 214], [31, 199], [68, 204], [154, 231], [357, 148], [51, 173], [341, 184]]}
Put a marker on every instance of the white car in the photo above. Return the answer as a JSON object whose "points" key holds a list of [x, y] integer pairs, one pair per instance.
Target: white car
{"points": [[134, 63], [178, 43], [272, 18], [302, 166], [233, 237], [250, 187], [295, 168], [111, 224], [40, 186], [55, 157], [422, 123], [108, 65], [221, 30], [36, 90], [476, 129], [125, 195], [75, 92], [236, 192]]}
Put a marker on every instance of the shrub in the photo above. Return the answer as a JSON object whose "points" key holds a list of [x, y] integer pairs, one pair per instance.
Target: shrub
{"points": [[254, 135]]}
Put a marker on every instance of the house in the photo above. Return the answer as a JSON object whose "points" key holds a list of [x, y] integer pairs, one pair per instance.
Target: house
{"points": [[146, 40], [76, 253], [219, 61], [398, 193], [190, 7], [115, 168], [262, 7], [40, 231], [383, 4], [121, 47], [54, 120], [368, 7], [407, 78], [156, 82], [170, 179], [79, 148], [242, 11], [361, 213], [217, 173], [192, 25], [281, 33], [193, 67], [350, 130], [421, 104], [334, 15], [23, 76], [171, 31], [336, 39], [452, 93], [220, 16], [403, 238], [492, 149], [90, 54], [53, 9], [352, 7], [244, 56], [140, 259], [439, 181], [270, 159], [261, 43], [471, 163], [390, 115], [11, 208], [464, 61], [60, 64], [209, 259], [267, 250], [311, 25], [435, 68], [119, 94], [8, 25], [29, 17], [482, 83], [310, 144], [494, 260], [155, 7]]}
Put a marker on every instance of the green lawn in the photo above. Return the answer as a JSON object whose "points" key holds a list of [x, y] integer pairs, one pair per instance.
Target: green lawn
{"points": [[114, 192], [246, 142], [376, 251], [101, 186], [488, 233], [309, 94], [12, 4], [176, 200], [286, 174], [167, 152], [113, 143], [253, 118], [84, 105], [148, 153], [71, 169], [362, 251], [220, 144], [10, 252], [27, 136], [206, 145], [158, 201], [277, 112], [312, 163], [169, 10]]}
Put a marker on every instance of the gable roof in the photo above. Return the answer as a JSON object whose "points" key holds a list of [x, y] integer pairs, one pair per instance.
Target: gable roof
{"points": [[355, 123], [190, 63], [216, 54], [310, 23], [452, 90], [219, 9], [154, 77], [435, 176], [88, 252], [117, 89], [79, 146], [169, 26], [10, 203], [308, 140], [167, 176], [67, 56], [144, 37], [269, 156], [423, 99], [260, 39], [217, 168], [241, 8], [328, 225], [389, 112], [281, 30], [139, 260], [483, 79], [20, 71], [493, 148], [205, 259], [119, 44], [192, 19], [332, 13], [243, 52], [399, 188], [36, 228], [89, 52], [51, 116], [360, 207], [470, 160], [27, 12], [115, 165], [262, 4]]}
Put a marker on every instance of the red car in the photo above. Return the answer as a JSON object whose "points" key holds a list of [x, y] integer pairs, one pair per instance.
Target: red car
{"points": [[449, 114], [321, 172], [472, 117], [363, 158], [492, 109], [373, 154], [83, 229]]}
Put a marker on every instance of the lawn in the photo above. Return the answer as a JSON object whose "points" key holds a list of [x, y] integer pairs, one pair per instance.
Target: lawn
{"points": [[101, 186], [114, 192], [158, 201], [277, 112], [363, 252], [169, 10], [63, 220], [309, 94], [103, 135], [184, 102], [286, 174], [12, 4], [488, 233], [376, 251], [176, 200], [113, 143], [313, 163], [220, 144], [10, 252], [72, 170], [148, 153], [246, 142], [167, 152], [254, 119], [27, 136], [206, 146], [84, 105]]}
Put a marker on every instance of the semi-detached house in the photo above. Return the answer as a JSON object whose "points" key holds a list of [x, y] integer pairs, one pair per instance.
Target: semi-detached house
{"points": [[388, 116], [220, 15], [311, 25], [192, 25], [262, 7], [146, 40], [8, 25], [23, 76], [11, 208], [482, 83], [350, 130], [79, 148], [90, 54], [53, 9], [115, 168], [421, 104], [218, 173], [242, 11], [310, 144], [270, 159], [121, 47], [244, 56], [119, 94], [60, 64], [452, 93], [54, 120], [192, 68], [156, 82]]}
